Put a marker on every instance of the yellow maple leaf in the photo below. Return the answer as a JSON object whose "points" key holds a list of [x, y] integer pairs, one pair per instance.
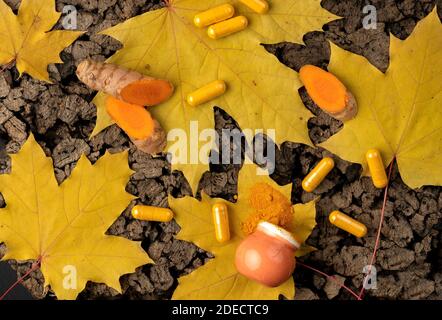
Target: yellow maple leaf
{"points": [[218, 278], [64, 226], [399, 111], [27, 39], [262, 93]]}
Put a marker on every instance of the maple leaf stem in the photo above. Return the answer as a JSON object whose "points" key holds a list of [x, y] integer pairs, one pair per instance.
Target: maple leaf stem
{"points": [[34, 267], [378, 235], [332, 278]]}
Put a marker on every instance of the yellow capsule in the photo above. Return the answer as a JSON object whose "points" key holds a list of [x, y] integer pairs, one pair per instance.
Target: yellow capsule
{"points": [[228, 27], [206, 93], [211, 16], [221, 222], [319, 172], [348, 224], [259, 6], [377, 169], [149, 213]]}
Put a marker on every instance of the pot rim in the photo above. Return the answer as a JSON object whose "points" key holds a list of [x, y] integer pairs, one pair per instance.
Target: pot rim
{"points": [[275, 231]]}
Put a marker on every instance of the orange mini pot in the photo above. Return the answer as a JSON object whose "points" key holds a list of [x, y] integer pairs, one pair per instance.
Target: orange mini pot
{"points": [[267, 255]]}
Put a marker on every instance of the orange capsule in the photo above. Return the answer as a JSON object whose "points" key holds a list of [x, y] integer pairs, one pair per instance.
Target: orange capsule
{"points": [[227, 27], [318, 174], [259, 6], [149, 213], [348, 224], [207, 93], [377, 169], [214, 15], [221, 221]]}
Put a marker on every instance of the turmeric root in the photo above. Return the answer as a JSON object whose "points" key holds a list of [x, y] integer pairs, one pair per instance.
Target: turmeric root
{"points": [[123, 84], [329, 93], [145, 132], [269, 205]]}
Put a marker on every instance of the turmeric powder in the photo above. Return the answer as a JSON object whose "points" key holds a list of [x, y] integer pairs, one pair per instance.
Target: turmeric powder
{"points": [[145, 132], [123, 84], [269, 205], [329, 93]]}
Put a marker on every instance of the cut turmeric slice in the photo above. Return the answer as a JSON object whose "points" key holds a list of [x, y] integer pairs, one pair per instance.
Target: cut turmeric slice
{"points": [[123, 84], [328, 92], [147, 92], [144, 131]]}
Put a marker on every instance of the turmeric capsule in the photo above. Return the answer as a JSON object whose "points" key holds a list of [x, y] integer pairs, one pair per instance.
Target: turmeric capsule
{"points": [[221, 222], [259, 6], [217, 14], [377, 169], [206, 93], [149, 213], [227, 27], [318, 174], [348, 224]]}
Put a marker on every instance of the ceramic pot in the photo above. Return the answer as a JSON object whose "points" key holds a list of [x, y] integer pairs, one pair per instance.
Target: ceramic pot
{"points": [[267, 255]]}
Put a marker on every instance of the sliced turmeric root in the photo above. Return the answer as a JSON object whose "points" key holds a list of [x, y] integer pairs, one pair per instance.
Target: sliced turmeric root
{"points": [[123, 84], [145, 132], [146, 92], [329, 93]]}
